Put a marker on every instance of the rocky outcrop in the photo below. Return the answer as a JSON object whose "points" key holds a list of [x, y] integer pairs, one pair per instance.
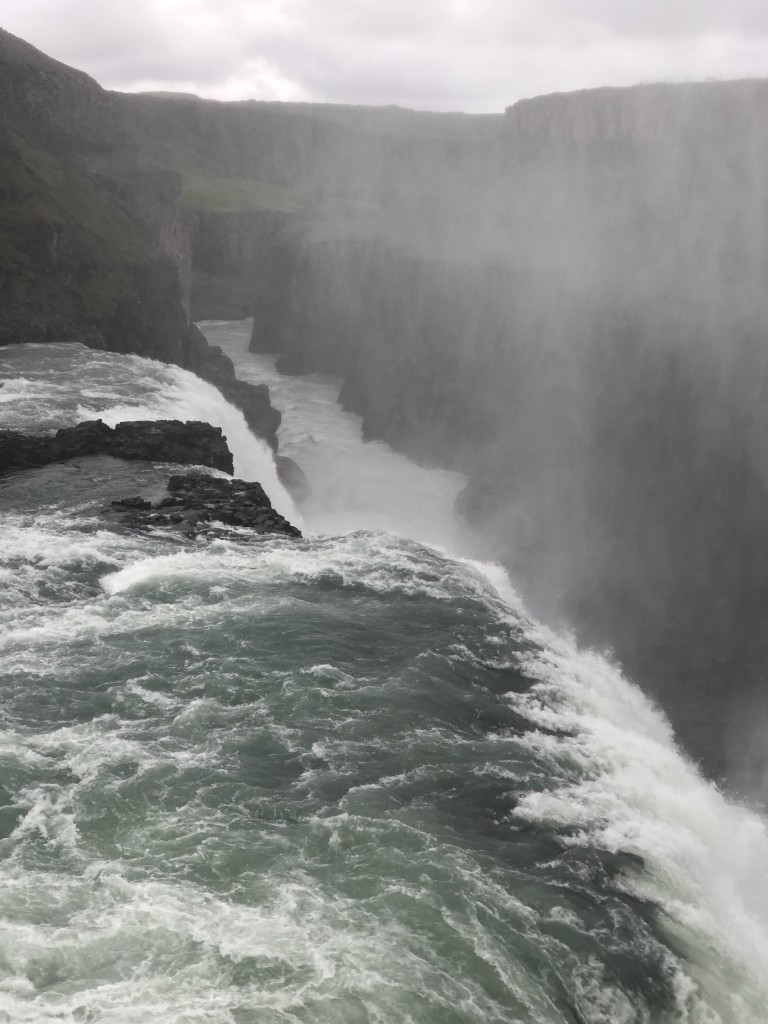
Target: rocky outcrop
{"points": [[202, 507], [197, 506], [192, 443]]}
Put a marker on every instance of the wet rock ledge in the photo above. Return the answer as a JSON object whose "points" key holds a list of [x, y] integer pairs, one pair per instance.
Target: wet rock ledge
{"points": [[190, 444], [197, 506], [202, 506]]}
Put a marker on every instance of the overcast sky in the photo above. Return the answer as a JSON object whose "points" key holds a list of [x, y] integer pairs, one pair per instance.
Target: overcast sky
{"points": [[474, 55]]}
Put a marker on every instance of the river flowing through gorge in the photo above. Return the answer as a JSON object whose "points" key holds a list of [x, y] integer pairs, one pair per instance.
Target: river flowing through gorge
{"points": [[343, 779]]}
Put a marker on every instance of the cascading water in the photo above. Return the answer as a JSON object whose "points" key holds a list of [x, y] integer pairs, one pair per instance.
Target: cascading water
{"points": [[343, 779]]}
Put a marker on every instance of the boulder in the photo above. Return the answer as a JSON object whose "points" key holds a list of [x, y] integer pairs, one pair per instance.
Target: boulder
{"points": [[199, 506]]}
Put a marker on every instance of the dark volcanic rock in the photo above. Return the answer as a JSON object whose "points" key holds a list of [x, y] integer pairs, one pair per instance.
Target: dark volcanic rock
{"points": [[192, 443], [198, 505]]}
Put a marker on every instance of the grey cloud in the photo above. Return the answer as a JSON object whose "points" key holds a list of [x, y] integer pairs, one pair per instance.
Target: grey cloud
{"points": [[440, 54], [666, 18]]}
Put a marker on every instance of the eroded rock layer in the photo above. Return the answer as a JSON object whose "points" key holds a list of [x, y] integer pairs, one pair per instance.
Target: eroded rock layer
{"points": [[192, 443], [203, 507]]}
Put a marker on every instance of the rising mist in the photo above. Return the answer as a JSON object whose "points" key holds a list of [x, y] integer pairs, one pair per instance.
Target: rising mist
{"points": [[569, 305]]}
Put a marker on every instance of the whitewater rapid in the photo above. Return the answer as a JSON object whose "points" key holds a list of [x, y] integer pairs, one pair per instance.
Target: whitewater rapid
{"points": [[345, 779]]}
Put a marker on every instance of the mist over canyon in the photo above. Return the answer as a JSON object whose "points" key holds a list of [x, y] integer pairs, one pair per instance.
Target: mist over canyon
{"points": [[565, 302]]}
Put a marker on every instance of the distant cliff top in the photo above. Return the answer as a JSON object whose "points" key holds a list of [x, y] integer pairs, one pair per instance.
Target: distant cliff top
{"points": [[644, 112]]}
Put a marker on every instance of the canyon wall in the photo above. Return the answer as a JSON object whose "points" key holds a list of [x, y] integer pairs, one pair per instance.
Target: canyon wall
{"points": [[80, 219], [95, 240]]}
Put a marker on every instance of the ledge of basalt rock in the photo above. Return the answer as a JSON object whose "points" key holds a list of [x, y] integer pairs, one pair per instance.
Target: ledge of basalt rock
{"points": [[191, 444], [201, 506]]}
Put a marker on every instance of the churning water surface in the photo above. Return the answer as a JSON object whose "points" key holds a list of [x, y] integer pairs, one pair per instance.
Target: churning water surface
{"points": [[344, 779]]}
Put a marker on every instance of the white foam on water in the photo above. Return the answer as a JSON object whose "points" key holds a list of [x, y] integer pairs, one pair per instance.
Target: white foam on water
{"points": [[149, 570], [49, 543], [20, 389], [706, 858], [184, 946], [376, 562], [48, 815]]}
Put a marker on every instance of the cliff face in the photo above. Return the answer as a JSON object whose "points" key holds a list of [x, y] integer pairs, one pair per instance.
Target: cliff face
{"points": [[79, 220], [660, 114], [234, 258], [95, 243], [259, 180]]}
